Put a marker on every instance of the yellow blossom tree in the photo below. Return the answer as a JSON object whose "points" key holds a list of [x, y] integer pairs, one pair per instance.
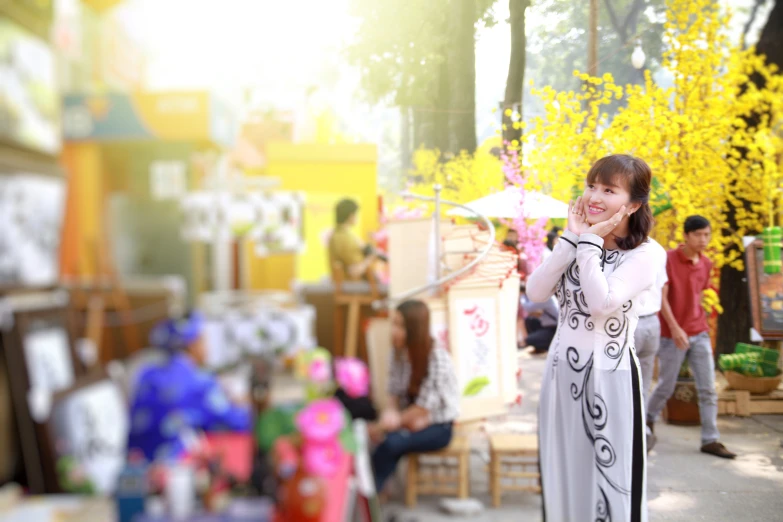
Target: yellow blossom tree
{"points": [[712, 139], [463, 178], [691, 133]]}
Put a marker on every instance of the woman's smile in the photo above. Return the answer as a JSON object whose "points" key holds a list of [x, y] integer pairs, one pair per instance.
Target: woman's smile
{"points": [[595, 210]]}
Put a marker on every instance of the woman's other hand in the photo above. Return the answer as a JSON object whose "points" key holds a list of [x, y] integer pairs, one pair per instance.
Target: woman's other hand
{"points": [[391, 420], [603, 228]]}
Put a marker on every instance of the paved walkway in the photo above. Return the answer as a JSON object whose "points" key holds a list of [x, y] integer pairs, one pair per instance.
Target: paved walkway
{"points": [[683, 484]]}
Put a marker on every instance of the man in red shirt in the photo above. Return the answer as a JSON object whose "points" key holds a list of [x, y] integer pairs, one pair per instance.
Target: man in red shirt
{"points": [[685, 334]]}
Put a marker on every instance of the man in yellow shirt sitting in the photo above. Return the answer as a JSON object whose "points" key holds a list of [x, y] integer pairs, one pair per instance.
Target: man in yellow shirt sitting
{"points": [[345, 248]]}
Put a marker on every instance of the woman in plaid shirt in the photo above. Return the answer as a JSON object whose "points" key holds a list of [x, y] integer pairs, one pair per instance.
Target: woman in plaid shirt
{"points": [[423, 389]]}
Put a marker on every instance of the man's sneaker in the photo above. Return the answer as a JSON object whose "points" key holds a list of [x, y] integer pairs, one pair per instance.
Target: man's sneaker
{"points": [[717, 449]]}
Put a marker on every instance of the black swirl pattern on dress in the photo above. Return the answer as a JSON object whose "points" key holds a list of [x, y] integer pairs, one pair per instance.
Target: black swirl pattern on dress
{"points": [[572, 273], [572, 356], [562, 294], [595, 416], [612, 256], [617, 327], [603, 510], [580, 310]]}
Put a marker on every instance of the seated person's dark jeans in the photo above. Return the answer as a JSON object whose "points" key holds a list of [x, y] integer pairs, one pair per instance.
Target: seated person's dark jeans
{"points": [[539, 337], [402, 442]]}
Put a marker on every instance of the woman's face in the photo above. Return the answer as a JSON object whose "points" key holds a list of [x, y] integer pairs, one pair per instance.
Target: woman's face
{"points": [[398, 331], [603, 201], [198, 351]]}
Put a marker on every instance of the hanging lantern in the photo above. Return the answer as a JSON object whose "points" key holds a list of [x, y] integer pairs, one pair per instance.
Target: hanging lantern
{"points": [[772, 250], [638, 57]]}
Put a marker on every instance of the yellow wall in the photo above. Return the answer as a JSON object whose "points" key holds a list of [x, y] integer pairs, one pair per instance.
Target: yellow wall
{"points": [[326, 174]]}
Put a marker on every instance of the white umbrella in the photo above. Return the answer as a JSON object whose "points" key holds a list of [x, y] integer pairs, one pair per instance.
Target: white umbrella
{"points": [[508, 204]]}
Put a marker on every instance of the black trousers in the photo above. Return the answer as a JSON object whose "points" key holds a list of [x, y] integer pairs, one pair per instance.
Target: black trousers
{"points": [[539, 336]]}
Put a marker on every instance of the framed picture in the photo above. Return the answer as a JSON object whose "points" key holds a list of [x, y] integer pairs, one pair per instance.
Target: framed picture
{"points": [[38, 344], [766, 294], [86, 437], [475, 341], [31, 217]]}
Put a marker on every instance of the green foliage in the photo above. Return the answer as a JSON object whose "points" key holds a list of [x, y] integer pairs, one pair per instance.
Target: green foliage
{"points": [[400, 46], [559, 46], [273, 424], [347, 438]]}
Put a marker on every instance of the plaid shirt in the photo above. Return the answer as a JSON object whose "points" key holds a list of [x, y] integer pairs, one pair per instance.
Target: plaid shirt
{"points": [[438, 394]]}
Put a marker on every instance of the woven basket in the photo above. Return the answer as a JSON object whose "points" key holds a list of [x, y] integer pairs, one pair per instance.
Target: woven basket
{"points": [[755, 385]]}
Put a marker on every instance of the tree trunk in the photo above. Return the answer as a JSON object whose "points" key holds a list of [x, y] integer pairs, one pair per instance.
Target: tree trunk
{"points": [[423, 128], [461, 74], [734, 324], [516, 68], [442, 116]]}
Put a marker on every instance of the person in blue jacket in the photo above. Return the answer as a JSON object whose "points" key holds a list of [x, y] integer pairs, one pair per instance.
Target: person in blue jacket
{"points": [[176, 399]]}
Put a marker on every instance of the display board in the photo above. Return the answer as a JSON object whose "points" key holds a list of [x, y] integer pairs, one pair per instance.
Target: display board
{"points": [[31, 218], [482, 336], [29, 99], [38, 344], [88, 430], [411, 263], [239, 325], [273, 221], [379, 353], [766, 294]]}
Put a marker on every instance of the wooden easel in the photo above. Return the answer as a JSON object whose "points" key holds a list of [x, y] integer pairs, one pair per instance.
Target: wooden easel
{"points": [[98, 295]]}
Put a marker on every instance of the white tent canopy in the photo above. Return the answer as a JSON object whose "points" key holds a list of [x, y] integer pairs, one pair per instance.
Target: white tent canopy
{"points": [[508, 204]]}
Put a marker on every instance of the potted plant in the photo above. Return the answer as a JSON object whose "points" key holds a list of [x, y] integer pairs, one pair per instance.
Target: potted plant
{"points": [[683, 406]]}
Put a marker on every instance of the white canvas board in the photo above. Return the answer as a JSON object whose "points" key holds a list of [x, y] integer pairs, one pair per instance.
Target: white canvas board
{"points": [[31, 219], [92, 426], [48, 356]]}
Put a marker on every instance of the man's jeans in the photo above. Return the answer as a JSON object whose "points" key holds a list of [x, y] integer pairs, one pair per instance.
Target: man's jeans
{"points": [[400, 443], [703, 368], [646, 339]]}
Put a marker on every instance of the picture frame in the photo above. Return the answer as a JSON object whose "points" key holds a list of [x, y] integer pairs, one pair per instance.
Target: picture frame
{"points": [[88, 426], [766, 294], [39, 346], [31, 217], [475, 338]]}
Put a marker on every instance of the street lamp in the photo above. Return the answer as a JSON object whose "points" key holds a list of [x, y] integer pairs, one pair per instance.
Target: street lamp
{"points": [[638, 57]]}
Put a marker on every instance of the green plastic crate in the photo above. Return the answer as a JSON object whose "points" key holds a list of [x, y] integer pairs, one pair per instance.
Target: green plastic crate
{"points": [[769, 369], [767, 355]]}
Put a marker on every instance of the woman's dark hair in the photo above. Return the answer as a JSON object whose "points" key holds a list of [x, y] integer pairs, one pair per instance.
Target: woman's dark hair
{"points": [[635, 175], [550, 239], [344, 210], [694, 223], [418, 342]]}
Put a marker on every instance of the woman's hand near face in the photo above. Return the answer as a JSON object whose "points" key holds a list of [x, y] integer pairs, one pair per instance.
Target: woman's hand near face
{"points": [[577, 222], [603, 228]]}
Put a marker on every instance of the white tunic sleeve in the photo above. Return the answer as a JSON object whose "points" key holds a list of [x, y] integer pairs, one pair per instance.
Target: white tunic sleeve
{"points": [[636, 272], [542, 282]]}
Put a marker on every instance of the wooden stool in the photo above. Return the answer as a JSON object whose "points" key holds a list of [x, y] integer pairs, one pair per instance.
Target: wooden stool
{"points": [[440, 479], [522, 450], [346, 335]]}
